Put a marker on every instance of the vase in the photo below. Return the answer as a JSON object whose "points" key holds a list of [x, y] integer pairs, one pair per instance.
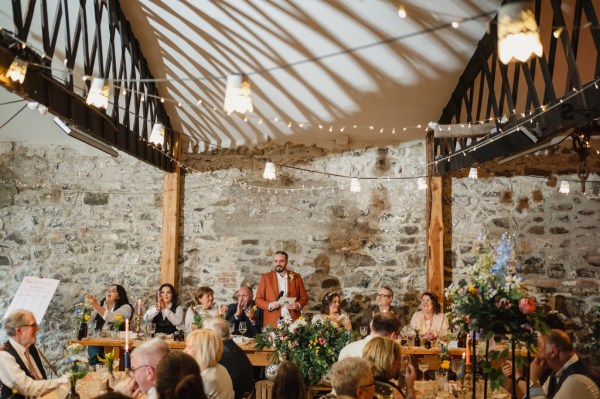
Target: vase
{"points": [[82, 332], [73, 393], [271, 371]]}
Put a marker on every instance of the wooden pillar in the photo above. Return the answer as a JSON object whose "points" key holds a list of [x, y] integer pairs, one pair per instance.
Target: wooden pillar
{"points": [[170, 223], [434, 226]]}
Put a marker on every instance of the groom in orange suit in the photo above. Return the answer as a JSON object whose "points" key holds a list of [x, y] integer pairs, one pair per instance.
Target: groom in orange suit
{"points": [[280, 283]]}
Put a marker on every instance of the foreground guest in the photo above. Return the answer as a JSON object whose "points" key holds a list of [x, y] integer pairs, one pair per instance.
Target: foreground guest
{"points": [[570, 378], [179, 377], [165, 314], [245, 311], [383, 325], [331, 308], [21, 368], [142, 374], [206, 300], [207, 347], [234, 359], [430, 320], [280, 283], [115, 305], [352, 377], [288, 382], [385, 358], [383, 304]]}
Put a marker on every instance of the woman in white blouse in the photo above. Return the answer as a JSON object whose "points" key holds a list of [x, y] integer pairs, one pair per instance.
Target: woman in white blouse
{"points": [[206, 299], [115, 304], [430, 320], [165, 314], [331, 308], [206, 346]]}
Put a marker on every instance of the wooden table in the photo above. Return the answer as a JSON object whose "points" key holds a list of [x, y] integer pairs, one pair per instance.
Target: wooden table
{"points": [[257, 358]]}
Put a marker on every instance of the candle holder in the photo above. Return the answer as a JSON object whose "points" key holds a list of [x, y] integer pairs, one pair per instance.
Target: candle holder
{"points": [[466, 380], [138, 324]]}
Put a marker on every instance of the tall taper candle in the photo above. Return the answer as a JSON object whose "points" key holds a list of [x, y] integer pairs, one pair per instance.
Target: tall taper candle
{"points": [[468, 349], [139, 306], [126, 344]]}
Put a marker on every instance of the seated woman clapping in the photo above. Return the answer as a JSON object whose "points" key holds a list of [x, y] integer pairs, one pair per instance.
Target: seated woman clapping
{"points": [[165, 313], [206, 299], [430, 320], [331, 308]]}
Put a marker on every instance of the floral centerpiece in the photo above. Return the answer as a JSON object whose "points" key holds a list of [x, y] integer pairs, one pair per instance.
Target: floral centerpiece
{"points": [[76, 363], [445, 358], [494, 301], [313, 347], [118, 322], [198, 315], [81, 315], [108, 360]]}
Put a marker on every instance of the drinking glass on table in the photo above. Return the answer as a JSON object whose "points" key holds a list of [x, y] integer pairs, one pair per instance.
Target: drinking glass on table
{"points": [[423, 367], [364, 330], [231, 327], [150, 329]]}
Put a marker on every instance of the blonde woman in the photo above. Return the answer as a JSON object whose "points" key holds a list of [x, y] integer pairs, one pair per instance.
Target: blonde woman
{"points": [[385, 357], [206, 346]]}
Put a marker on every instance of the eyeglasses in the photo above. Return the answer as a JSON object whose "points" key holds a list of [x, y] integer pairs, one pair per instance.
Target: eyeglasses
{"points": [[382, 296], [30, 325], [131, 371]]}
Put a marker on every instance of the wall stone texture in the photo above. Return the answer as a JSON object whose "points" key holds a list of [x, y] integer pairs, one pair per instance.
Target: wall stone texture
{"points": [[93, 220]]}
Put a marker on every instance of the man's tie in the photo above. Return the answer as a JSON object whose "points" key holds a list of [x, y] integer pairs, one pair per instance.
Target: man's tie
{"points": [[551, 386], [31, 367]]}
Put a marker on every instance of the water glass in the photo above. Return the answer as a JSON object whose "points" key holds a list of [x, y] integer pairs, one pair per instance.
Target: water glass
{"points": [[442, 381], [231, 327], [364, 330]]}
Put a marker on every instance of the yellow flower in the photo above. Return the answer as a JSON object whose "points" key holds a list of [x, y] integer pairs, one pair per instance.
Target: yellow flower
{"points": [[86, 317], [292, 276], [473, 290], [118, 317], [254, 308], [445, 364]]}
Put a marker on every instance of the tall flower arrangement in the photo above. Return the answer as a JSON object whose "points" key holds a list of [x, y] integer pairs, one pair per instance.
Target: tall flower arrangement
{"points": [[76, 363], [494, 300], [313, 347]]}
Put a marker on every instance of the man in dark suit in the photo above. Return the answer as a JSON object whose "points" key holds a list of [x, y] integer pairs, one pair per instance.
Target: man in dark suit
{"points": [[245, 311], [234, 359], [21, 370], [383, 303]]}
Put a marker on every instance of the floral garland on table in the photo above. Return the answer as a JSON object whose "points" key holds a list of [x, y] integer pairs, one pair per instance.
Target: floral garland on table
{"points": [[493, 301], [313, 347]]}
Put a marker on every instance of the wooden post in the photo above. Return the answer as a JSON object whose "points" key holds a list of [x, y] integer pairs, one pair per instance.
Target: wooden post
{"points": [[434, 227], [170, 223]]}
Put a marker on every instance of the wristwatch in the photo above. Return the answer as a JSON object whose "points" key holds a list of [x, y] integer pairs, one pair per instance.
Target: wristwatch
{"points": [[521, 378]]}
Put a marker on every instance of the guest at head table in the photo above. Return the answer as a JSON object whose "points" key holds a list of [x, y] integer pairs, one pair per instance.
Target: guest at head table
{"points": [[383, 304], [178, 376], [165, 314], [245, 311], [385, 358], [288, 382], [112, 308], [430, 320], [331, 307], [21, 370], [206, 300], [206, 346]]}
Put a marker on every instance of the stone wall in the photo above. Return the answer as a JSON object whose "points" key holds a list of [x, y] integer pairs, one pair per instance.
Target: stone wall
{"points": [[91, 220]]}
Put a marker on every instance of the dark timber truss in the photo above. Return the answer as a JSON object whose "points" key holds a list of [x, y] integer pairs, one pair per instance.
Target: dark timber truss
{"points": [[526, 94], [91, 38]]}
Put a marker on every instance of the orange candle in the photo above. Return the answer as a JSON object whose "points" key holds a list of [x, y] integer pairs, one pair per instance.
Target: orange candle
{"points": [[468, 350]]}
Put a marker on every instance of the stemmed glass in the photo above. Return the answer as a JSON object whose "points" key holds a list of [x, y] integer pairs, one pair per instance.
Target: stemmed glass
{"points": [[242, 328], [423, 367], [457, 367], [231, 327], [364, 331]]}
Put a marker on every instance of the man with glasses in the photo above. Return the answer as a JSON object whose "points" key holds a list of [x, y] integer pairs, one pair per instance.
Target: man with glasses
{"points": [[142, 375], [383, 304], [21, 370], [352, 377]]}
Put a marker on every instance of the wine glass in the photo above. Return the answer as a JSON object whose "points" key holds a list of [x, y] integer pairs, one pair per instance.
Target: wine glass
{"points": [[242, 327], [457, 367], [423, 367], [364, 330], [151, 329], [231, 327]]}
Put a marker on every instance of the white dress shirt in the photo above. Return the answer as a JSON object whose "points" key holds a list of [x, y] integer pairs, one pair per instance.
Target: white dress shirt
{"points": [[574, 386], [176, 318], [14, 377], [110, 315]]}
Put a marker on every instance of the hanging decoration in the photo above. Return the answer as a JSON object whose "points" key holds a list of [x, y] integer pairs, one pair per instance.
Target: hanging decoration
{"points": [[518, 34]]}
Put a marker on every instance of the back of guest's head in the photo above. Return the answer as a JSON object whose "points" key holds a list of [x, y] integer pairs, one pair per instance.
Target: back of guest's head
{"points": [[288, 382], [151, 351], [112, 395], [206, 346], [384, 324], [217, 325], [17, 318], [178, 376], [560, 339], [349, 374], [381, 353], [328, 299]]}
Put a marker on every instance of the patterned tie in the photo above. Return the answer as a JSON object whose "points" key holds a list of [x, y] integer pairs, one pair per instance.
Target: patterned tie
{"points": [[31, 367], [551, 386]]}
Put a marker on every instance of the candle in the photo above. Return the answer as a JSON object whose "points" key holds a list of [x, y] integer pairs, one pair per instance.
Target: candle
{"points": [[467, 350], [126, 335], [139, 306]]}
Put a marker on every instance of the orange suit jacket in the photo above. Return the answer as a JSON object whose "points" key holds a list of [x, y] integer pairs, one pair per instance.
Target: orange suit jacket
{"points": [[268, 292]]}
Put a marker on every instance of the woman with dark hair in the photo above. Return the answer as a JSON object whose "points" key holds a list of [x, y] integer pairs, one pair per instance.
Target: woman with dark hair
{"points": [[430, 320], [113, 307], [206, 299], [178, 376], [165, 314], [288, 382], [331, 309]]}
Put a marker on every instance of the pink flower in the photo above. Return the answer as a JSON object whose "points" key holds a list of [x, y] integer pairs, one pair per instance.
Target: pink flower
{"points": [[527, 305], [321, 341]]}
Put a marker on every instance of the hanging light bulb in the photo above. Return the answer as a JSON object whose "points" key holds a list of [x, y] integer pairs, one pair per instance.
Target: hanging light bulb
{"points": [[237, 94], [98, 95], [518, 34], [421, 183], [565, 187], [355, 185], [473, 173], [17, 70], [401, 11], [158, 134], [269, 172]]}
